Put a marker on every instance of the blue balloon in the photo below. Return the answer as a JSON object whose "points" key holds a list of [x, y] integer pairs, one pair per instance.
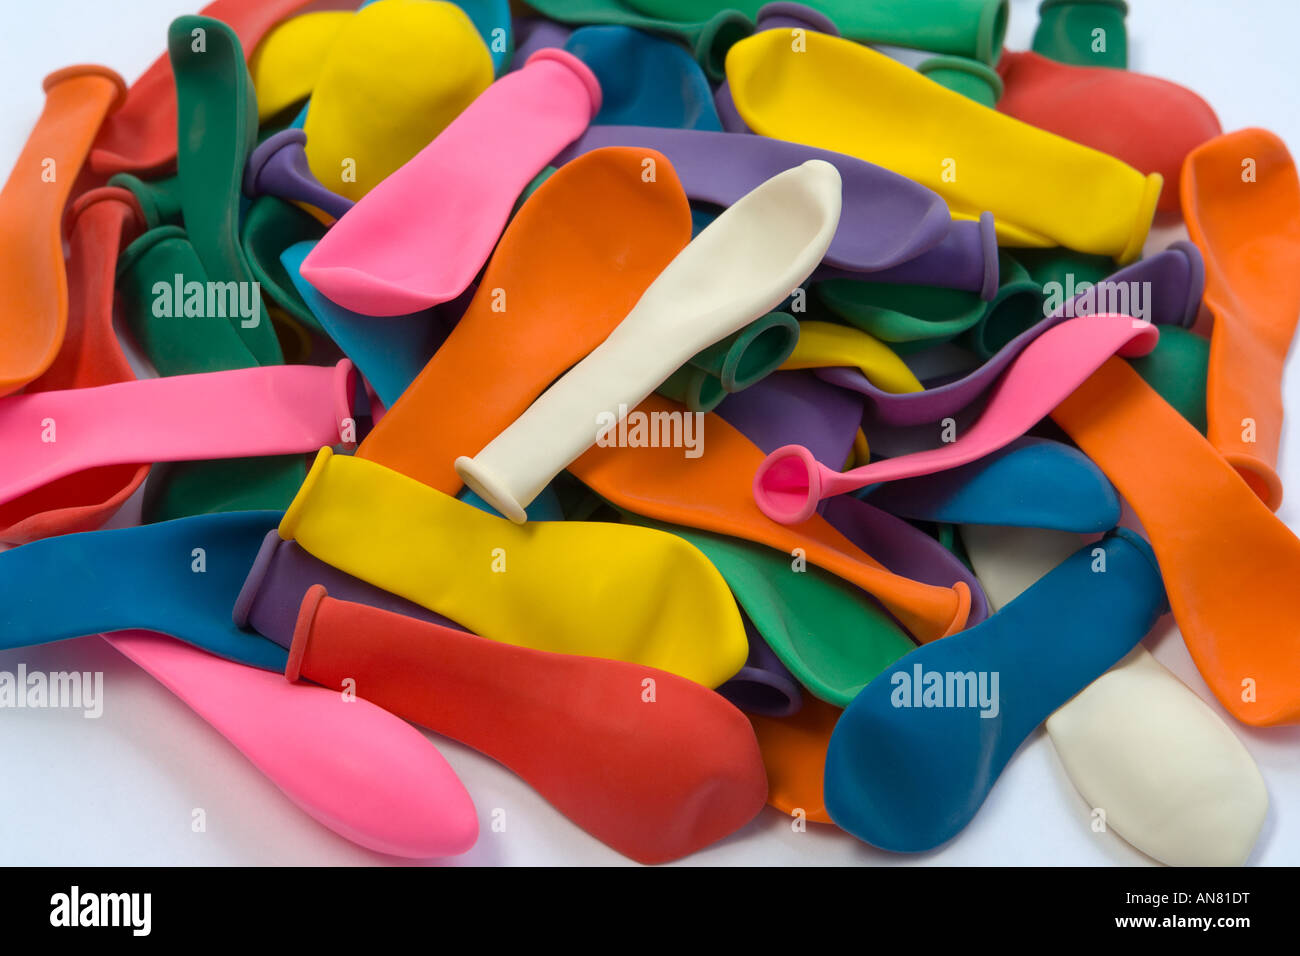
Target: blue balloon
{"points": [[388, 350], [645, 80], [1031, 483], [178, 577], [917, 751]]}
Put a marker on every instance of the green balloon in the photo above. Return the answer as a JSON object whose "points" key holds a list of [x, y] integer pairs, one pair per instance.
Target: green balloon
{"points": [[751, 354], [1016, 306], [908, 317], [175, 343], [180, 489], [270, 227], [180, 344], [829, 634], [159, 199], [218, 129], [969, 28], [1083, 32], [693, 387], [971, 78], [1177, 368]]}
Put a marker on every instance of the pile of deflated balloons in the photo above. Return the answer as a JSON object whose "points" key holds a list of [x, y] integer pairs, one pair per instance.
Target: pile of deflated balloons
{"points": [[558, 380]]}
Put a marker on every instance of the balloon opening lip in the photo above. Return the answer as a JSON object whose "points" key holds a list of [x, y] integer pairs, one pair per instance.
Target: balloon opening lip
{"points": [[583, 72], [302, 631], [253, 582], [808, 17], [1146, 212], [490, 488], [960, 64], [1261, 477], [293, 514], [718, 35], [961, 614], [763, 349], [992, 30], [1119, 5], [766, 687], [1195, 282], [136, 250], [90, 69], [989, 246], [345, 390], [705, 392], [1000, 307], [791, 464], [263, 153]]}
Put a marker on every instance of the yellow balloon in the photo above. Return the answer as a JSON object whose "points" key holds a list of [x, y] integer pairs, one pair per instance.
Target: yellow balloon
{"points": [[827, 345], [287, 62], [397, 74], [615, 591], [1043, 190]]}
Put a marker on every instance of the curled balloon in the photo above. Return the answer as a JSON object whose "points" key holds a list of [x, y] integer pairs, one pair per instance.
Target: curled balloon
{"points": [[1031, 482], [791, 482]]}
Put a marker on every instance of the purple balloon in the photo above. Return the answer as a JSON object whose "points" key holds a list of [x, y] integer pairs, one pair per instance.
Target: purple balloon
{"points": [[887, 220], [966, 258], [1170, 282], [533, 33], [278, 167], [763, 686], [281, 574], [796, 408]]}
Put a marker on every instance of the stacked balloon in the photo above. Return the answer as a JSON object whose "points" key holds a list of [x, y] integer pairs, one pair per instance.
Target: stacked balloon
{"points": [[708, 409]]}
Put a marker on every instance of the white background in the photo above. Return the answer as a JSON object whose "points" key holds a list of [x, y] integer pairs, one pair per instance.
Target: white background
{"points": [[120, 790]]}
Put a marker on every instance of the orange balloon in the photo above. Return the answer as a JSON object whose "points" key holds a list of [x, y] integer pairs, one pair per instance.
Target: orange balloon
{"points": [[1230, 566], [33, 285], [104, 220], [713, 492], [1241, 200], [794, 756], [569, 267]]}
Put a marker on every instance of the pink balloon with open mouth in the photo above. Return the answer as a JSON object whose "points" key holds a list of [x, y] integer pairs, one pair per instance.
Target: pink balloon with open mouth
{"points": [[420, 236], [790, 482], [352, 766]]}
